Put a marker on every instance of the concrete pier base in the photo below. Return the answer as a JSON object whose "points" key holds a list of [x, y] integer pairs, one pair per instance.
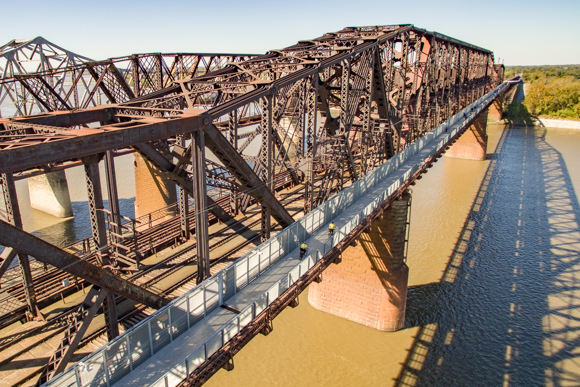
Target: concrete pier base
{"points": [[369, 286], [49, 193], [472, 144], [153, 191], [495, 111]]}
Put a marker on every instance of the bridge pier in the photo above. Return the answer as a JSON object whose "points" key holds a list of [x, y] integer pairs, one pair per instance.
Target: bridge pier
{"points": [[369, 286], [495, 111], [153, 191], [472, 144], [49, 193]]}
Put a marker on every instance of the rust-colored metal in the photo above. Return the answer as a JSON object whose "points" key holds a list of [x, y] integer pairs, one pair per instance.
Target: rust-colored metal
{"points": [[45, 252]]}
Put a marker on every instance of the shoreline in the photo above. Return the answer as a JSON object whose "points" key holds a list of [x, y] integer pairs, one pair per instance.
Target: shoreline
{"points": [[557, 123], [545, 122]]}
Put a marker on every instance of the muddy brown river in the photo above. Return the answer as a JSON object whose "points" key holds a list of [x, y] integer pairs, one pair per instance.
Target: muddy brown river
{"points": [[494, 295]]}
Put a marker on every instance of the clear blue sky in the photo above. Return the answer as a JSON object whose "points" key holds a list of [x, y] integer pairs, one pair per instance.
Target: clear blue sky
{"points": [[529, 32]]}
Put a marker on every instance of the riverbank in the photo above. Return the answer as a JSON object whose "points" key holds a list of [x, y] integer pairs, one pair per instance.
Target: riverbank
{"points": [[544, 122], [557, 123]]}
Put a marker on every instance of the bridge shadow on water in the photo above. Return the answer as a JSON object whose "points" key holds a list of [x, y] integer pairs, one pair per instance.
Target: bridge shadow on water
{"points": [[507, 309]]}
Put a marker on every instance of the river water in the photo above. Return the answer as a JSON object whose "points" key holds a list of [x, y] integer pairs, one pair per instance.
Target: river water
{"points": [[494, 295], [64, 231]]}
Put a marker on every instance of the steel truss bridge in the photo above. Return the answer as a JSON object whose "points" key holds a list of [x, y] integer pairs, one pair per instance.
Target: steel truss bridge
{"points": [[322, 116]]}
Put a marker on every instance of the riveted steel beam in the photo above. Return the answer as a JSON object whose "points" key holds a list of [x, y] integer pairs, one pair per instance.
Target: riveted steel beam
{"points": [[48, 253], [89, 141], [248, 182]]}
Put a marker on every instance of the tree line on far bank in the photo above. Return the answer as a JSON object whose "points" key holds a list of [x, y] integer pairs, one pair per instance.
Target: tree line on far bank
{"points": [[551, 91]]}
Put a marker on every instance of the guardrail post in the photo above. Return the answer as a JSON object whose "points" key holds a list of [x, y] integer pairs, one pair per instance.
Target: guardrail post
{"points": [[221, 287], [170, 324], [106, 368], [188, 310], [78, 377], [235, 271], [150, 337], [129, 352], [204, 302]]}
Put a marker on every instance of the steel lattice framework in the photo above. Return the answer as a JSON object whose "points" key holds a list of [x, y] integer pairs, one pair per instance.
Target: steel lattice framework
{"points": [[324, 111], [350, 98], [39, 76], [327, 110]]}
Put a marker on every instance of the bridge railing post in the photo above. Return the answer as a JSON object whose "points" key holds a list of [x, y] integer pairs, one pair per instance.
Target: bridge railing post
{"points": [[235, 270], [150, 337], [129, 352], [204, 301], [170, 324], [247, 271], [77, 377], [106, 369]]}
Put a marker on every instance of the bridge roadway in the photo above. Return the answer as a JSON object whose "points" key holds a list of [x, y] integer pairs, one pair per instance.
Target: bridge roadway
{"points": [[182, 338]]}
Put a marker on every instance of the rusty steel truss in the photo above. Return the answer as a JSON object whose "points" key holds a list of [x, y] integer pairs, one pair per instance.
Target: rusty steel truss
{"points": [[39, 76], [324, 112]]}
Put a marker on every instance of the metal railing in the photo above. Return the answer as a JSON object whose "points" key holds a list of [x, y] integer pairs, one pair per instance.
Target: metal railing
{"points": [[124, 354]]}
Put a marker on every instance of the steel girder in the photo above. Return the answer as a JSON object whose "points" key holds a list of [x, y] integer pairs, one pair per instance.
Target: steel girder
{"points": [[48, 253]]}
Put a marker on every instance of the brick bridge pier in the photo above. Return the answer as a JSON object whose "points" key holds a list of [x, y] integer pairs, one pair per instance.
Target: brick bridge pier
{"points": [[369, 286]]}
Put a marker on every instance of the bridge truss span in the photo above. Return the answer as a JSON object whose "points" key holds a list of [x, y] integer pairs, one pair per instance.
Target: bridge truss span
{"points": [[323, 115], [39, 76], [225, 311], [327, 109]]}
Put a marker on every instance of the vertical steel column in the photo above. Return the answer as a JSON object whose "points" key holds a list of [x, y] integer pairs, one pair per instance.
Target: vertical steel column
{"points": [[344, 92], [95, 195], [13, 215], [113, 195], [234, 205], [311, 135], [75, 80], [109, 304], [183, 212], [111, 321], [158, 69], [135, 76], [301, 119], [365, 107], [438, 83], [183, 202], [199, 197], [266, 160]]}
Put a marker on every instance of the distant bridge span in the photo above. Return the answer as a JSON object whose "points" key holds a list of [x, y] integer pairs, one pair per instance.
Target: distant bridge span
{"points": [[360, 113]]}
